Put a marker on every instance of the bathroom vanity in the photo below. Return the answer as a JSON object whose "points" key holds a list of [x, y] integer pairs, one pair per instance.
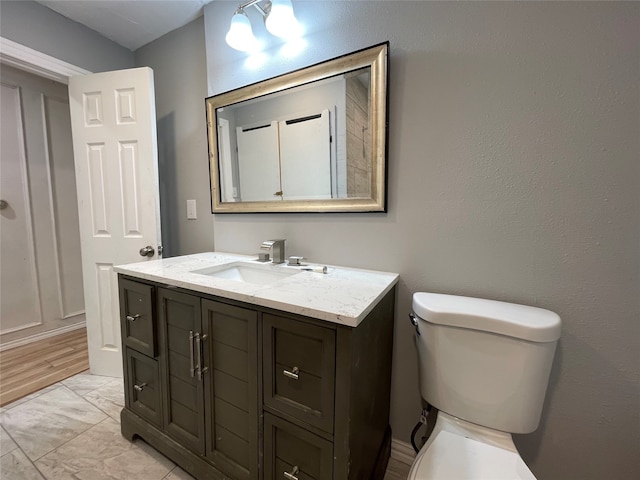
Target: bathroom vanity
{"points": [[246, 370]]}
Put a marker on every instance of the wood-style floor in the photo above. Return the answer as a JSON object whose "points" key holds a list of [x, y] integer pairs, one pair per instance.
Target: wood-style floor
{"points": [[28, 368]]}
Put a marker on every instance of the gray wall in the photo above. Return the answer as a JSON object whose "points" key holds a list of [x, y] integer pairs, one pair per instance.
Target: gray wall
{"points": [[513, 175], [179, 65], [46, 31]]}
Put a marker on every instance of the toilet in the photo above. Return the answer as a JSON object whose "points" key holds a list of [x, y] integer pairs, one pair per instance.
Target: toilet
{"points": [[485, 366]]}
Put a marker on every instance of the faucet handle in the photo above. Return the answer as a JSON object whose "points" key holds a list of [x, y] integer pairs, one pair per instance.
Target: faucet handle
{"points": [[295, 261]]}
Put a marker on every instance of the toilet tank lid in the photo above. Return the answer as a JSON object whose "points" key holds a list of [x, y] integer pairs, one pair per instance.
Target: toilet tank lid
{"points": [[518, 321]]}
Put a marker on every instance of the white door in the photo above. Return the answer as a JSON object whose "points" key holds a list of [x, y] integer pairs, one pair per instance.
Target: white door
{"points": [[305, 157], [114, 143], [258, 163]]}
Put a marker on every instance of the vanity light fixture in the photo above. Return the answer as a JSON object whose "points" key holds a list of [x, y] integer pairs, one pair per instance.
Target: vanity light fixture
{"points": [[278, 18], [240, 35]]}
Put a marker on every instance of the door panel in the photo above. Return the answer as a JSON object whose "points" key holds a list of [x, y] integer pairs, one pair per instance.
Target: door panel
{"points": [[115, 149], [258, 163], [231, 388], [179, 320], [305, 157]]}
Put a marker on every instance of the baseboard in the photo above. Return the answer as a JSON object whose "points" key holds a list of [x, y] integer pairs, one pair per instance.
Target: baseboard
{"points": [[41, 336], [402, 452]]}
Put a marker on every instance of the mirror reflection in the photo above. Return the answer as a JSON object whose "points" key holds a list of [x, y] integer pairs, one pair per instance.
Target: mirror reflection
{"points": [[308, 143], [312, 140]]}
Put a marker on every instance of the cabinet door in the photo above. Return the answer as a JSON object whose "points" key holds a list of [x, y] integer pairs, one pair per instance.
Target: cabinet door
{"points": [[291, 452], [144, 395], [180, 321], [231, 388], [137, 316], [299, 370]]}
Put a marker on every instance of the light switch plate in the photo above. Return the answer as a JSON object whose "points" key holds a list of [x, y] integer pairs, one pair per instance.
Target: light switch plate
{"points": [[191, 210]]}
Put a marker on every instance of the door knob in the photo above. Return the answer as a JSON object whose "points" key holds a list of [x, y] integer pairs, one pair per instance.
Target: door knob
{"points": [[147, 251], [3, 204]]}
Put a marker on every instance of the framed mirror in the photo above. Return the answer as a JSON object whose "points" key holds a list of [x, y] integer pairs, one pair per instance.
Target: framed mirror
{"points": [[313, 140]]}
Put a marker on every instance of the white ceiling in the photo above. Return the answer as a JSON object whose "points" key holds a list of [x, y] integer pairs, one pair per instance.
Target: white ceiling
{"points": [[130, 23]]}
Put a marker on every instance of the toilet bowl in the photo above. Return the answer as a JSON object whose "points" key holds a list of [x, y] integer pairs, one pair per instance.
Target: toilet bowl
{"points": [[459, 450], [485, 366]]}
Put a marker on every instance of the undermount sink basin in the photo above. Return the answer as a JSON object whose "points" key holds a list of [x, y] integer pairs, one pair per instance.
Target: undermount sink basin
{"points": [[247, 272]]}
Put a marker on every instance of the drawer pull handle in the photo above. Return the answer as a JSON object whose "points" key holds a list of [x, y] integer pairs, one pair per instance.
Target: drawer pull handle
{"points": [[292, 475], [133, 318], [292, 374], [140, 387]]}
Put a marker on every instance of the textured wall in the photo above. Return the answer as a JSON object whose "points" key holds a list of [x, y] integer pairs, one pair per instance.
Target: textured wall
{"points": [[178, 62], [513, 175], [46, 31]]}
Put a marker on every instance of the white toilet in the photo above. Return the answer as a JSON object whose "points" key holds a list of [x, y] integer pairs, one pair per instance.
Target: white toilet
{"points": [[485, 366]]}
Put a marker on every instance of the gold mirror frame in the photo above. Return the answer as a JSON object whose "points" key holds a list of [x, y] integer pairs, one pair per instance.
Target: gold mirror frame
{"points": [[376, 58]]}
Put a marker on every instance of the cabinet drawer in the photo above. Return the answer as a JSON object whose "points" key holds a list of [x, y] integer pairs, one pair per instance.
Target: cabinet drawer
{"points": [[299, 370], [137, 316], [299, 453], [144, 395]]}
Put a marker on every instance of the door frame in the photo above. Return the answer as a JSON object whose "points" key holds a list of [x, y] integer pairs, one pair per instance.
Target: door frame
{"points": [[38, 63]]}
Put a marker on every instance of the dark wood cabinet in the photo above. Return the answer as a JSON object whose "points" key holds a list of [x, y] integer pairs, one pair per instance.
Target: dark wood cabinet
{"points": [[229, 390], [295, 451], [299, 364], [144, 390], [179, 319], [137, 308]]}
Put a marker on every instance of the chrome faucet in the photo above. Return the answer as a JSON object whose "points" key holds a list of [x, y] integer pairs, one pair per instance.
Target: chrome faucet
{"points": [[277, 249]]}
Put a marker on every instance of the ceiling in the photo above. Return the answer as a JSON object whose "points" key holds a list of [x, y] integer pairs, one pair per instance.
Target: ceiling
{"points": [[130, 23]]}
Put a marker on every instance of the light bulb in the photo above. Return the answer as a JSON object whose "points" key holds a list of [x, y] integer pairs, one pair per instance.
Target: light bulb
{"points": [[281, 21], [240, 35]]}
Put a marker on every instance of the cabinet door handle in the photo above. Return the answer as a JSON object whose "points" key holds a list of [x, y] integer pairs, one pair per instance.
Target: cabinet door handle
{"points": [[201, 366], [293, 475], [133, 318], [140, 387], [192, 370], [292, 374], [198, 355]]}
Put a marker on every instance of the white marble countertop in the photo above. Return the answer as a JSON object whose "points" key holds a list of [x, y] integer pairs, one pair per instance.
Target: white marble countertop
{"points": [[342, 295]]}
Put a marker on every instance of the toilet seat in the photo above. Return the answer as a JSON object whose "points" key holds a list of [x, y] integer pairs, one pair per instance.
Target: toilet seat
{"points": [[459, 450]]}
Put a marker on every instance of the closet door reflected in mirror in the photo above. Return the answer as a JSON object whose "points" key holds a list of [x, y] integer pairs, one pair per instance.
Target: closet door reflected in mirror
{"points": [[286, 160]]}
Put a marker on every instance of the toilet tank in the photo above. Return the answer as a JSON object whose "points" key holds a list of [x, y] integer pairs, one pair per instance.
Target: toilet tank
{"points": [[485, 361]]}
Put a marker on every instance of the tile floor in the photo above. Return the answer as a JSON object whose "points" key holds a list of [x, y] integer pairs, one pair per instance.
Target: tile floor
{"points": [[71, 430]]}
